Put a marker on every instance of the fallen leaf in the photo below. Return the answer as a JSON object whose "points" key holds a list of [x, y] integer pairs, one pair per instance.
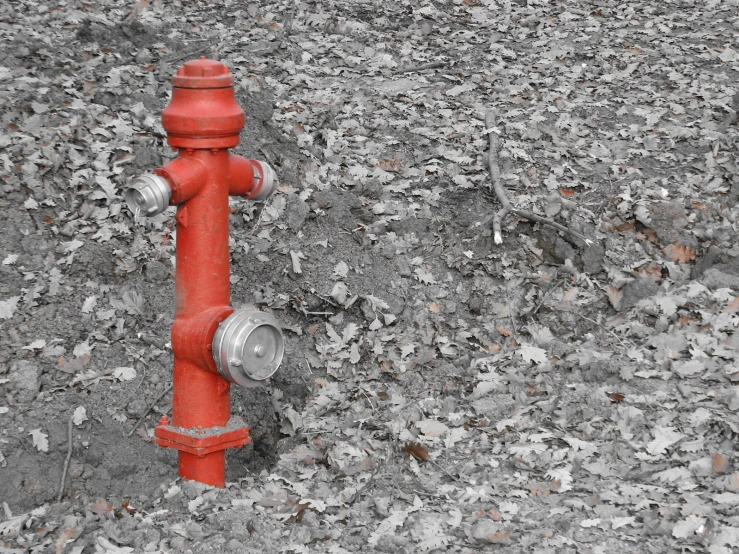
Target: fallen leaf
{"points": [[688, 527], [533, 354], [124, 373], [504, 331], [680, 254], [431, 427], [89, 304], [340, 271], [721, 464], [732, 307], [501, 537], [40, 440], [664, 437], [615, 296], [38, 344], [417, 450], [295, 258], [61, 542], [590, 522], [79, 416]]}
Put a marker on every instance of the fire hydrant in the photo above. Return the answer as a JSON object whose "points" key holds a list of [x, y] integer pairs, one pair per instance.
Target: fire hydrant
{"points": [[213, 344]]}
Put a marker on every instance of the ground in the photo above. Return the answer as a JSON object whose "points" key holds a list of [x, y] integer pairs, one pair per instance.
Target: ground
{"points": [[440, 392]]}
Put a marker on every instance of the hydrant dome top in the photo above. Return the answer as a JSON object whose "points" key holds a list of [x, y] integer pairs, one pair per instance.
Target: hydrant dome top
{"points": [[203, 73]]}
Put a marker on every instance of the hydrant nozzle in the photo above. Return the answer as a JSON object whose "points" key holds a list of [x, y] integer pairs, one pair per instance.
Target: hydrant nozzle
{"points": [[213, 344], [148, 195]]}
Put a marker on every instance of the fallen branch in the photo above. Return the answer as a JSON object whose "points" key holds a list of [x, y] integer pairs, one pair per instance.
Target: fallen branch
{"points": [[422, 67], [502, 196], [150, 408], [65, 469]]}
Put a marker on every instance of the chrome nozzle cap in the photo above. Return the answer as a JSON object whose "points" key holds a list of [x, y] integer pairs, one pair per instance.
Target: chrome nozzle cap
{"points": [[265, 180], [248, 346], [148, 195]]}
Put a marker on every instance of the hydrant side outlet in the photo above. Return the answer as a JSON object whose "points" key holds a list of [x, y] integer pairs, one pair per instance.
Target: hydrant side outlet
{"points": [[213, 345]]}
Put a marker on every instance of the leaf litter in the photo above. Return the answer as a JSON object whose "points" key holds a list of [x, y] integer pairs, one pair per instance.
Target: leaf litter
{"points": [[543, 395]]}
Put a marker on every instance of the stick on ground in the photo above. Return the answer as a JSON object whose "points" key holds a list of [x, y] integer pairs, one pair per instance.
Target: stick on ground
{"points": [[66, 462], [422, 67], [502, 195], [150, 408], [288, 23]]}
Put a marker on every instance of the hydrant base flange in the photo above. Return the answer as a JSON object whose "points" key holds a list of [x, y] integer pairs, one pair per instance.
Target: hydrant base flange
{"points": [[201, 442]]}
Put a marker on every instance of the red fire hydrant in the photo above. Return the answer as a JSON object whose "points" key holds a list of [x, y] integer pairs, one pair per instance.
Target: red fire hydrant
{"points": [[213, 344]]}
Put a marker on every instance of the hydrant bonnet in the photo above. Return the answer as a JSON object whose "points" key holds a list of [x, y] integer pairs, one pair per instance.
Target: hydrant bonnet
{"points": [[202, 74], [203, 112]]}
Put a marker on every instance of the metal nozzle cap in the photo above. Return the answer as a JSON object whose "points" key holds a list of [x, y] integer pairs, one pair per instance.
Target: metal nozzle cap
{"points": [[265, 180], [248, 346], [148, 195]]}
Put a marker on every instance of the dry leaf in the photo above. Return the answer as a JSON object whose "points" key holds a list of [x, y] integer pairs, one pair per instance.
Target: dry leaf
{"points": [[79, 416], [680, 254], [417, 450], [431, 427], [504, 331], [615, 296], [615, 396], [720, 463], [124, 373], [389, 165], [732, 307], [434, 308], [61, 541], [40, 440], [501, 537], [73, 366]]}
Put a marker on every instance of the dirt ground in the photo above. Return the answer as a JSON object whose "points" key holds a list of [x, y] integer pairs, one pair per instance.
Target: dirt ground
{"points": [[439, 392]]}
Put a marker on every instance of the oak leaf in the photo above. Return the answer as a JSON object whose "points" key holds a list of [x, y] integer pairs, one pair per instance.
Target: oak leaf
{"points": [[680, 254], [417, 450]]}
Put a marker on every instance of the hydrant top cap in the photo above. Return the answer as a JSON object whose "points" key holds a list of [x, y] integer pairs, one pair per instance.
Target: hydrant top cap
{"points": [[202, 73]]}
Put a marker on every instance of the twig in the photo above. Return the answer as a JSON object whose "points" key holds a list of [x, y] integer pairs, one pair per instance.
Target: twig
{"points": [[150, 408], [606, 329], [507, 15], [452, 477], [554, 287], [288, 23], [510, 311], [66, 462], [500, 192], [422, 67], [361, 489], [259, 217], [189, 54], [322, 297]]}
